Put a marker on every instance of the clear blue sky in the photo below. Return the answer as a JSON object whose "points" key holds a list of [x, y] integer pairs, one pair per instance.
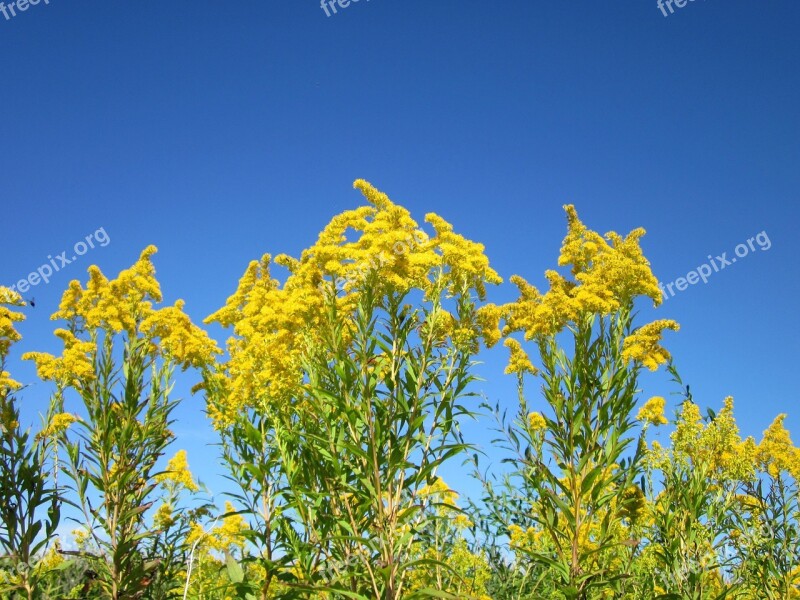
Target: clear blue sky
{"points": [[220, 131]]}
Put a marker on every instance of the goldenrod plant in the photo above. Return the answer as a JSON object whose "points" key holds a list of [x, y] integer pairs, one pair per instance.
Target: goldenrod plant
{"points": [[29, 504], [574, 492], [118, 360], [342, 396]]}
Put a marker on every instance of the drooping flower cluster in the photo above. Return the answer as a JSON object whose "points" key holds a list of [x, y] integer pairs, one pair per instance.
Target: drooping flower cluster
{"points": [[644, 345], [379, 245]]}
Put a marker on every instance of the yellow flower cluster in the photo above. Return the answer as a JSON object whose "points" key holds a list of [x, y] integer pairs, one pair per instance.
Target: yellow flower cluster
{"points": [[536, 422], [526, 539], [776, 453], [440, 492], [608, 273], [222, 537], [653, 411], [122, 305], [177, 473], [172, 333], [73, 367], [644, 344], [165, 516], [8, 333], [519, 362], [379, 245], [58, 424], [716, 445]]}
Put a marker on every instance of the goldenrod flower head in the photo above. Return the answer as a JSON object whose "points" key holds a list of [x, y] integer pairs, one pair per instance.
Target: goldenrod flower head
{"points": [[439, 491], [178, 339], [8, 333], [462, 522], [537, 422], [177, 472], [644, 345], [223, 537], [164, 517], [74, 367], [117, 305], [488, 321], [378, 246], [518, 362], [81, 537], [123, 305], [6, 383], [653, 411], [51, 559], [777, 453], [609, 272], [58, 425]]}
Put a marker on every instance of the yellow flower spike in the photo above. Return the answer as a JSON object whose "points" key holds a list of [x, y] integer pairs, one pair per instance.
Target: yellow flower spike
{"points": [[777, 453], [177, 338], [164, 517], [58, 425], [519, 362], [177, 472], [653, 411], [73, 367], [8, 333], [609, 273], [643, 345], [537, 422]]}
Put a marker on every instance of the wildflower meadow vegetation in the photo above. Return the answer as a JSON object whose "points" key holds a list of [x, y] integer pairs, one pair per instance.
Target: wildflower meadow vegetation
{"points": [[338, 397]]}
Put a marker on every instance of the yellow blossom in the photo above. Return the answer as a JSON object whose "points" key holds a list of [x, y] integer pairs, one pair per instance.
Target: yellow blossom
{"points": [[653, 411], [518, 362], [73, 367], [537, 422], [8, 333], [177, 338], [58, 424], [164, 517], [378, 245], [643, 345], [177, 472], [608, 272], [222, 537], [121, 305], [777, 453]]}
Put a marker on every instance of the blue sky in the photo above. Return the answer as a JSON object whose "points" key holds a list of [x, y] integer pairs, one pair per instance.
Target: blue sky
{"points": [[220, 131]]}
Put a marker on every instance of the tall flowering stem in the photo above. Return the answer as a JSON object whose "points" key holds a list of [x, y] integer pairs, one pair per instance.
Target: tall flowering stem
{"points": [[29, 505], [579, 458], [119, 357], [343, 394]]}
